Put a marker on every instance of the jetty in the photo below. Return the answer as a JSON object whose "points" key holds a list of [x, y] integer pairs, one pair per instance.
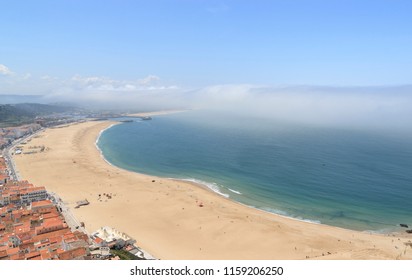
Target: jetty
{"points": [[82, 203]]}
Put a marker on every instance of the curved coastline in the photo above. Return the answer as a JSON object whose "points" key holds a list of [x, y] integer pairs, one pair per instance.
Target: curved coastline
{"points": [[215, 231], [213, 187], [97, 141], [210, 187]]}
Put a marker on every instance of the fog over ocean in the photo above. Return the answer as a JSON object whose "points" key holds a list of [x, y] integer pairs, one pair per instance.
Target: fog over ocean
{"points": [[337, 175]]}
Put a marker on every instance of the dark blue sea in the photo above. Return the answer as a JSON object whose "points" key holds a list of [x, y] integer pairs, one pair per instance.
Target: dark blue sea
{"points": [[352, 178]]}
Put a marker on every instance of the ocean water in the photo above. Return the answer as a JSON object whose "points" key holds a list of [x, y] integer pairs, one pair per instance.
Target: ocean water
{"points": [[356, 179]]}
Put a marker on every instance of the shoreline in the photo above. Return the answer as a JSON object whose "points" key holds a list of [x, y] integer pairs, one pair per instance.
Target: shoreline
{"points": [[380, 232], [313, 240], [207, 186], [97, 140]]}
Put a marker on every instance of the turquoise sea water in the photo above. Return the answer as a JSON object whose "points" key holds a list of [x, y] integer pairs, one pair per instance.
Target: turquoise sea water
{"points": [[354, 179]]}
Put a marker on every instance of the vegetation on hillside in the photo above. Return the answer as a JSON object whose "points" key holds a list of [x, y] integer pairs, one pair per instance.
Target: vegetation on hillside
{"points": [[18, 114]]}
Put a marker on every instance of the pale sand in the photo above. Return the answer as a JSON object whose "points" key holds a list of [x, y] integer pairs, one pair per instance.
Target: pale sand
{"points": [[165, 219]]}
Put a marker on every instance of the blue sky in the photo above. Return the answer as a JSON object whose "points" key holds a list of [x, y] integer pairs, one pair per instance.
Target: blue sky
{"points": [[328, 62], [203, 43]]}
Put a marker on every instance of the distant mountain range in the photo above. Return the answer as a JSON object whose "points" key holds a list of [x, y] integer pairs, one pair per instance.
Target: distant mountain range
{"points": [[16, 114]]}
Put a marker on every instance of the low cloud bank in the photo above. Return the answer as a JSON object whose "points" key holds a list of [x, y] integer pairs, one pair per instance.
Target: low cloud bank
{"points": [[386, 107]]}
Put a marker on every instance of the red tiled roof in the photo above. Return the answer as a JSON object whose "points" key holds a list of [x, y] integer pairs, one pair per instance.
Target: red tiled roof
{"points": [[41, 203], [45, 254], [3, 254], [21, 228], [13, 251], [25, 236], [32, 255], [50, 215], [73, 254], [17, 257], [31, 190], [56, 239], [50, 234], [98, 240], [59, 250]]}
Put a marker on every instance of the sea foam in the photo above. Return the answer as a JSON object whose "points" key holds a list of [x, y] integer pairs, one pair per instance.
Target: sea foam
{"points": [[212, 186], [234, 191], [287, 215]]}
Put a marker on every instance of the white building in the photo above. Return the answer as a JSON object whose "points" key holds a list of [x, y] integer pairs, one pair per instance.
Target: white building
{"points": [[33, 194], [113, 236]]}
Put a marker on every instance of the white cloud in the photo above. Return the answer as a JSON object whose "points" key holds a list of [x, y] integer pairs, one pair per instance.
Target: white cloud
{"points": [[98, 83], [77, 85], [151, 79], [344, 106], [26, 76], [315, 105], [48, 78], [4, 70]]}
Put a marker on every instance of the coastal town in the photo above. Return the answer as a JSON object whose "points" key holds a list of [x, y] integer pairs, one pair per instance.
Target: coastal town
{"points": [[218, 139], [47, 213], [36, 224]]}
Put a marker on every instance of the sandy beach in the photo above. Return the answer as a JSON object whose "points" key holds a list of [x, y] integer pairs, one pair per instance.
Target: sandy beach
{"points": [[164, 215]]}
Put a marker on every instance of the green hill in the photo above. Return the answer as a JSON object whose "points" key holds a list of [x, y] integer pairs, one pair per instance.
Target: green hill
{"points": [[17, 114]]}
